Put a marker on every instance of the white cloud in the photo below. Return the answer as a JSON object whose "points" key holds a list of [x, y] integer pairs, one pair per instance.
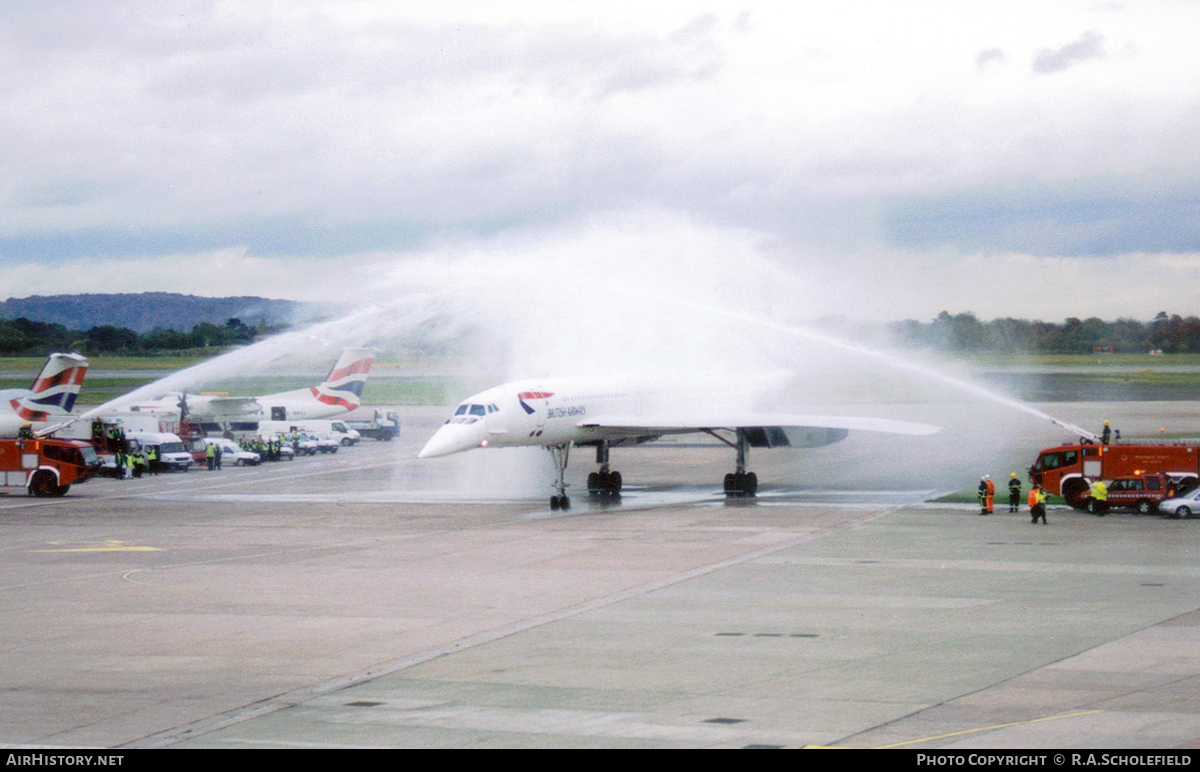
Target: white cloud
{"points": [[335, 130]]}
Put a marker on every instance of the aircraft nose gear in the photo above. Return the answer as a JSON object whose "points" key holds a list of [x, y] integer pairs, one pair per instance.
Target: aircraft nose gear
{"points": [[560, 453], [604, 482]]}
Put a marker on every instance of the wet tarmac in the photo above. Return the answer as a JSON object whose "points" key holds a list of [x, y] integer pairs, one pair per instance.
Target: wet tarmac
{"points": [[322, 603]]}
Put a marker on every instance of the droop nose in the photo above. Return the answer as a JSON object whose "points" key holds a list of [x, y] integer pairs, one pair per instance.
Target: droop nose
{"points": [[453, 438]]}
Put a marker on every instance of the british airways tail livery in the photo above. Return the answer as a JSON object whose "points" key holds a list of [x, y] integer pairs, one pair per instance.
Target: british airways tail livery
{"points": [[343, 387], [341, 391], [556, 414], [51, 397]]}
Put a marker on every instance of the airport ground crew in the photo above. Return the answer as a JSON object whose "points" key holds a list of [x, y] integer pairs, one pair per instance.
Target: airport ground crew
{"points": [[1037, 504], [152, 460], [25, 432], [217, 455], [1014, 493], [1099, 503], [1105, 434], [139, 463], [210, 455]]}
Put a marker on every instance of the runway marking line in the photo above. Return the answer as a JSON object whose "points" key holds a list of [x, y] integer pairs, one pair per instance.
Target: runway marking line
{"points": [[1027, 722], [112, 545]]}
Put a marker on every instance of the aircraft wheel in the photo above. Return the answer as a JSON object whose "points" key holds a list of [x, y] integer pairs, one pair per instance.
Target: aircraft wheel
{"points": [[729, 483], [593, 482], [614, 483], [560, 502], [750, 486]]}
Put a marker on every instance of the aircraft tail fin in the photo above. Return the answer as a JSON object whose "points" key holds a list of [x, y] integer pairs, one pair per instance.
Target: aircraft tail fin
{"points": [[54, 390], [344, 384]]}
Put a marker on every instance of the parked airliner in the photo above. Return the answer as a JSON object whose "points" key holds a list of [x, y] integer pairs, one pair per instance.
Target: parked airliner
{"points": [[558, 413], [49, 399], [340, 392]]}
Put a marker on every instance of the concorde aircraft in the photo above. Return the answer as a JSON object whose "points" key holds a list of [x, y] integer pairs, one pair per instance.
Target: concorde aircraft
{"points": [[558, 413], [49, 399], [340, 392]]}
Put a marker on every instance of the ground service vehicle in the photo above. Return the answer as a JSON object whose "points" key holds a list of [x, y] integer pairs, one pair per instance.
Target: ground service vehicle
{"points": [[45, 467], [1069, 469], [383, 426], [231, 453], [172, 453], [338, 430]]}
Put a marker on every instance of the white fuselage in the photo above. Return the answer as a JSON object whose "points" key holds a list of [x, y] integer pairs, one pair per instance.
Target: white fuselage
{"points": [[296, 405], [533, 412]]}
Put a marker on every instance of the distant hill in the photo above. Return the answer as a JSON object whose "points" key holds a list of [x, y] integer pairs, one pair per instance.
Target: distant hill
{"points": [[146, 311]]}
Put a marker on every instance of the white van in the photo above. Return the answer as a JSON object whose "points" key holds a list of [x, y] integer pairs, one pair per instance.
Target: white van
{"points": [[172, 453], [336, 429]]}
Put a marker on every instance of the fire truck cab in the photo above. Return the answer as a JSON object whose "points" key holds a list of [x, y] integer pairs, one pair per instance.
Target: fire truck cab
{"points": [[43, 467]]}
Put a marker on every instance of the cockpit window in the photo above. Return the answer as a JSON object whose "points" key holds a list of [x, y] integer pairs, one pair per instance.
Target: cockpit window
{"points": [[462, 410], [478, 410]]}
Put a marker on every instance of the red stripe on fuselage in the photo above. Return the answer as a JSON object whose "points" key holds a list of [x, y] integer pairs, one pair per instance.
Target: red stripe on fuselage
{"points": [[27, 414], [329, 399]]}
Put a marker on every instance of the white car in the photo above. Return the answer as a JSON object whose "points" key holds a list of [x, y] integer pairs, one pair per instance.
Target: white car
{"points": [[1181, 506], [231, 453], [327, 443]]}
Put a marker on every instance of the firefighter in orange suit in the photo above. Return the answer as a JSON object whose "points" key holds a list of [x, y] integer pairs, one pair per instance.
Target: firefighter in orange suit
{"points": [[1037, 504], [987, 495]]}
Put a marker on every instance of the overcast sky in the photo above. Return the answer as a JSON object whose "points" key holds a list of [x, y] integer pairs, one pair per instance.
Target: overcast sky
{"points": [[1034, 159]]}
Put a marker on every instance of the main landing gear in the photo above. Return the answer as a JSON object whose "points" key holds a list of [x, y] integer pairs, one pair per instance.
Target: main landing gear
{"points": [[740, 483], [604, 483]]}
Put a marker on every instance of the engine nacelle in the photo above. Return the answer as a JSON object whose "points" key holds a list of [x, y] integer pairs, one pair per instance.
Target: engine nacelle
{"points": [[794, 436]]}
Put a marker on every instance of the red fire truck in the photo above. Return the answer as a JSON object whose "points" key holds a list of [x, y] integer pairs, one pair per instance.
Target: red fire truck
{"points": [[45, 467], [1068, 470]]}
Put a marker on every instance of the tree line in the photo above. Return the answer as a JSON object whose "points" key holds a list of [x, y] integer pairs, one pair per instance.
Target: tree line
{"points": [[964, 333], [24, 337], [958, 333]]}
